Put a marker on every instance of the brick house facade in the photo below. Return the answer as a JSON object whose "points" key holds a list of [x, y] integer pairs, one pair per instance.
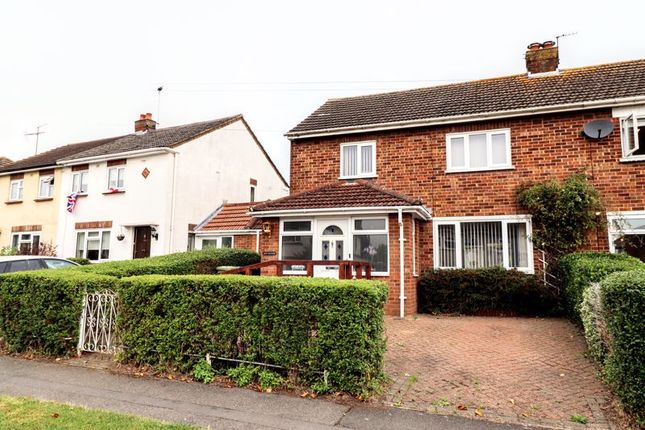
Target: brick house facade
{"points": [[455, 155]]}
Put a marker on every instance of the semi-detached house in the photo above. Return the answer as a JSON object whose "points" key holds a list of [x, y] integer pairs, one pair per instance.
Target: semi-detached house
{"points": [[427, 178]]}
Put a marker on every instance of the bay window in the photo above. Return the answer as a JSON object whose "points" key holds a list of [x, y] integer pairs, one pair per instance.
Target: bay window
{"points": [[485, 150], [358, 160], [473, 243], [93, 245], [371, 244]]}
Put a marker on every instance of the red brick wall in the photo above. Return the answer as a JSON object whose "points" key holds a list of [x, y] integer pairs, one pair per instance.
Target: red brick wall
{"points": [[245, 241], [413, 162]]}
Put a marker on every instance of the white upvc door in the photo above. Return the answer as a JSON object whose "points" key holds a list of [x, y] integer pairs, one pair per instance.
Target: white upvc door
{"points": [[331, 242]]}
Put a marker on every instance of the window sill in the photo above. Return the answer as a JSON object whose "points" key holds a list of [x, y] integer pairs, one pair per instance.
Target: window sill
{"points": [[486, 169], [44, 199], [12, 202], [632, 159], [349, 178], [113, 192], [81, 195]]}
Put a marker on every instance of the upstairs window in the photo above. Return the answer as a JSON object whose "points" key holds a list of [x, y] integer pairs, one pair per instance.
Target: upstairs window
{"points": [[358, 160], [15, 190], [79, 182], [632, 132], [46, 187], [116, 178], [486, 150]]}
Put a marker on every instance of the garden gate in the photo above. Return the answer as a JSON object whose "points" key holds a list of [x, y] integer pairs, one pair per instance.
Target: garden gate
{"points": [[98, 323]]}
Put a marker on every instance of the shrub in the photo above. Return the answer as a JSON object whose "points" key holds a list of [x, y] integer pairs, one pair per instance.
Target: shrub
{"points": [[623, 298], [182, 263], [243, 375], [310, 326], [579, 270], [268, 379], [81, 261], [593, 322], [40, 310], [477, 291]]}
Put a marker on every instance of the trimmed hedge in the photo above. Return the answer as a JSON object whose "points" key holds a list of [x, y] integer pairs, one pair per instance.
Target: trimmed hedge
{"points": [[623, 298], [485, 291], [322, 328], [182, 263], [40, 310], [580, 269]]}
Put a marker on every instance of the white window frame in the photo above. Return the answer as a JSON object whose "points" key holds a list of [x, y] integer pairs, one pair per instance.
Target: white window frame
{"points": [[489, 151], [20, 183], [49, 179], [22, 241], [80, 174], [92, 230], [119, 168], [504, 219], [310, 232], [386, 231], [252, 193], [359, 160], [634, 121], [614, 232], [218, 240]]}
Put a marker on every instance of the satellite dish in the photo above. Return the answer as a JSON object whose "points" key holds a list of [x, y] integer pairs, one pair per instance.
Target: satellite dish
{"points": [[598, 128]]}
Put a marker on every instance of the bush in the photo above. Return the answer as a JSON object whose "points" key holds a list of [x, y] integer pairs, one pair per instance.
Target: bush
{"points": [[182, 263], [203, 372], [623, 298], [309, 326], [593, 322], [580, 269], [480, 291], [40, 310], [81, 261]]}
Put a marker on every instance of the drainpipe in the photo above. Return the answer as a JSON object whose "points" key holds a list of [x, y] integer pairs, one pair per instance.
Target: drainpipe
{"points": [[257, 241], [401, 266], [171, 229]]}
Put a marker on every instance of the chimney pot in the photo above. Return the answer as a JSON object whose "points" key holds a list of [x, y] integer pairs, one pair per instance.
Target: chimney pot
{"points": [[145, 123], [542, 58]]}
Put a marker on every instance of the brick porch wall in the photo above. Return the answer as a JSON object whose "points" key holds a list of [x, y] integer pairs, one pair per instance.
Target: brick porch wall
{"points": [[245, 241]]}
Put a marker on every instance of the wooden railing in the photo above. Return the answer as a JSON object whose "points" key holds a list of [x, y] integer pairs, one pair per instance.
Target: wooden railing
{"points": [[347, 269]]}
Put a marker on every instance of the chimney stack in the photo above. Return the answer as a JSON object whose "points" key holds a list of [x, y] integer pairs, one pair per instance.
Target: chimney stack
{"points": [[145, 123], [542, 58]]}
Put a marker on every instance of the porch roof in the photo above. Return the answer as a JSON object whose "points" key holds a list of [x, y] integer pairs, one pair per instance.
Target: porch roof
{"points": [[229, 217], [358, 194]]}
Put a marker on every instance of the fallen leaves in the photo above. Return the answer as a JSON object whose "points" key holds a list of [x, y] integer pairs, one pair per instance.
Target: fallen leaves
{"points": [[479, 412], [462, 407]]}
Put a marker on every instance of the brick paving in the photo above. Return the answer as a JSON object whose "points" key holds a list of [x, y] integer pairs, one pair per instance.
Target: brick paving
{"points": [[505, 369]]}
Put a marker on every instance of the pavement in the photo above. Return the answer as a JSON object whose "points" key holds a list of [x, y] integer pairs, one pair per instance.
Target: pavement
{"points": [[210, 405]]}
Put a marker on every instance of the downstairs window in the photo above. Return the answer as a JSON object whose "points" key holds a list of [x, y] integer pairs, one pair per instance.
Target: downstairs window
{"points": [[472, 243]]}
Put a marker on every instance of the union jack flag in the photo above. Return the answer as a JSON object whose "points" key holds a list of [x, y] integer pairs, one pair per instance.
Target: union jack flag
{"points": [[71, 202]]}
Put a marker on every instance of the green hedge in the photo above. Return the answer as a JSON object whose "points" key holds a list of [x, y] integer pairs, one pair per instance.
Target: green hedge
{"points": [[182, 263], [485, 291], [623, 299], [40, 310], [315, 326], [579, 270]]}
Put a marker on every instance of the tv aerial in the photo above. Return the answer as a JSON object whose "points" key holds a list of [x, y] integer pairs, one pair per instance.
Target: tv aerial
{"points": [[598, 128]]}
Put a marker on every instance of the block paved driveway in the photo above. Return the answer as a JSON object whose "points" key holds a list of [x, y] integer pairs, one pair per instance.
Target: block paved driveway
{"points": [[513, 369]]}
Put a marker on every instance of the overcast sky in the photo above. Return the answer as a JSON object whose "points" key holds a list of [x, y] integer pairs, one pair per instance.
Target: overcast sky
{"points": [[87, 70]]}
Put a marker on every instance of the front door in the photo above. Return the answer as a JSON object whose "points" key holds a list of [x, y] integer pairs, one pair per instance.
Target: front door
{"points": [[142, 236], [332, 245]]}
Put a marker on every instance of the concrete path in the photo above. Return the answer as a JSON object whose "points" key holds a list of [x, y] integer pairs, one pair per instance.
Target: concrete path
{"points": [[209, 405]]}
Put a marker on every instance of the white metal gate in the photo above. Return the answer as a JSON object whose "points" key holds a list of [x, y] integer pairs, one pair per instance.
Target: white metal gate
{"points": [[98, 323]]}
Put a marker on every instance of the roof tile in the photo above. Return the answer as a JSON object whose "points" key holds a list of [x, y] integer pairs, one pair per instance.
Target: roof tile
{"points": [[232, 216]]}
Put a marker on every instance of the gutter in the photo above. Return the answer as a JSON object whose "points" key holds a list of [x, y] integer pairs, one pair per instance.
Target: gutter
{"points": [[171, 227], [226, 232], [33, 169], [626, 101], [422, 211], [119, 155]]}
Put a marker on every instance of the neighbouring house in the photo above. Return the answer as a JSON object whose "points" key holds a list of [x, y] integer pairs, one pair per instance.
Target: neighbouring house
{"points": [[427, 178], [4, 161], [29, 213], [142, 194]]}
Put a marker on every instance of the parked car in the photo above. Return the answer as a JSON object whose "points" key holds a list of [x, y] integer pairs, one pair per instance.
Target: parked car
{"points": [[19, 263]]}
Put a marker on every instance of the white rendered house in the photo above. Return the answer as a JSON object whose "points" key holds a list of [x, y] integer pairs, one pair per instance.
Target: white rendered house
{"points": [[141, 194]]}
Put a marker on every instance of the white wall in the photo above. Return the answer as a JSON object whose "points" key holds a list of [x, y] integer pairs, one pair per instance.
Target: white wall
{"points": [[213, 168], [217, 167]]}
